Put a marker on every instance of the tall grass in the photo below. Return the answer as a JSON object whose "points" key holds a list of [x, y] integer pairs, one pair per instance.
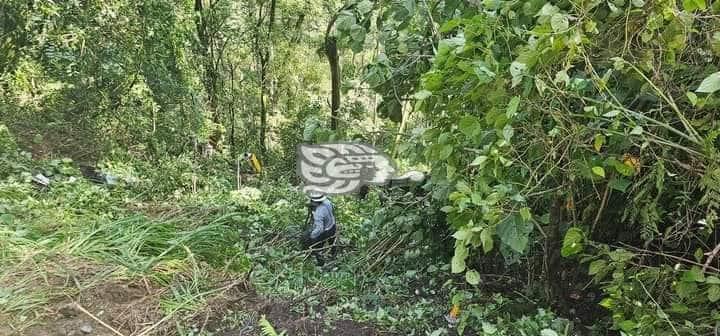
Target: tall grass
{"points": [[172, 250]]}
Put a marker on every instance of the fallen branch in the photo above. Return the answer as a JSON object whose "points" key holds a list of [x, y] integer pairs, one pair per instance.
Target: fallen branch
{"points": [[80, 308], [310, 250], [386, 253], [685, 260], [711, 256]]}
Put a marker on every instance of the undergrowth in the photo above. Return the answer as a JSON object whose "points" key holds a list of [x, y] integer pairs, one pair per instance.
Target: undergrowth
{"points": [[188, 237]]}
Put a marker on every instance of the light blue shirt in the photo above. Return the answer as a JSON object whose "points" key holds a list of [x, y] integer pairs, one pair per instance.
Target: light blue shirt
{"points": [[323, 219]]}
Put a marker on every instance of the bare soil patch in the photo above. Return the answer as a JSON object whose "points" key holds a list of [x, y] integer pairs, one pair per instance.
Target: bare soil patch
{"points": [[132, 306]]}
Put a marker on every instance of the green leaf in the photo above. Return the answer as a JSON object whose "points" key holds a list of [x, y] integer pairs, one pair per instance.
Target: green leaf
{"points": [[508, 132], [514, 233], [479, 161], [364, 6], [6, 219], [713, 280], [713, 293], [422, 94], [597, 266], [694, 274], [691, 5], [357, 34], [607, 303], [692, 97], [431, 80], [445, 152], [620, 184], [489, 328], [573, 242], [710, 84], [472, 277], [599, 171], [483, 72], [698, 254], [621, 167], [517, 71], [562, 77], [409, 6], [638, 3], [559, 22], [525, 214], [458, 260], [266, 327], [450, 25], [637, 130], [611, 114], [462, 234], [686, 289], [547, 10], [447, 209], [612, 7], [463, 187], [476, 198], [627, 325], [679, 308], [469, 126], [344, 22], [599, 142], [621, 255], [548, 332], [487, 240], [512, 107]]}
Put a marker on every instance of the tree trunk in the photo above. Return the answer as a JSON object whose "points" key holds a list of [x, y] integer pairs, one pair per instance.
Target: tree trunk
{"points": [[264, 58], [207, 52], [233, 148], [331, 52]]}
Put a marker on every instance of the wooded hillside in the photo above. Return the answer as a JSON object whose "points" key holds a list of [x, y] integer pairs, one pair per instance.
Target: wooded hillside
{"points": [[572, 148]]}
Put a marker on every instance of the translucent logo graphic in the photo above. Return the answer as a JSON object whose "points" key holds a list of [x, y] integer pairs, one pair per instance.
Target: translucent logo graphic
{"points": [[341, 168]]}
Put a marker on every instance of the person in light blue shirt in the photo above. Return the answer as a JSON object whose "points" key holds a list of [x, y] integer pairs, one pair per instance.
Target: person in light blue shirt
{"points": [[322, 226]]}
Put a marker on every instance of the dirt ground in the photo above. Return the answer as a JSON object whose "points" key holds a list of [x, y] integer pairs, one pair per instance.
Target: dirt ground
{"points": [[132, 309], [281, 315]]}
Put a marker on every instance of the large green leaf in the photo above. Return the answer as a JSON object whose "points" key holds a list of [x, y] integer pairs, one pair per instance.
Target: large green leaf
{"points": [[597, 266], [512, 107], [710, 84], [514, 232], [345, 21], [686, 289], [469, 126], [457, 264], [713, 293], [559, 22], [573, 242], [487, 240], [691, 5], [364, 6]]}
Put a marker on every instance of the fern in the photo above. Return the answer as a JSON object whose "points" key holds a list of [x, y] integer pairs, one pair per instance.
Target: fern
{"points": [[267, 328]]}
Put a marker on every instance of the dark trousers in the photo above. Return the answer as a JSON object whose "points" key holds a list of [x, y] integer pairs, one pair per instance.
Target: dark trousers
{"points": [[327, 237]]}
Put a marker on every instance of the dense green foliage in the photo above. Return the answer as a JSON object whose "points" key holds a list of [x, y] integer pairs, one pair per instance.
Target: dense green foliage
{"points": [[572, 147]]}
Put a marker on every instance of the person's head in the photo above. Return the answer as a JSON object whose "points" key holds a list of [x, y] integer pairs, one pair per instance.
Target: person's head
{"points": [[316, 197]]}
